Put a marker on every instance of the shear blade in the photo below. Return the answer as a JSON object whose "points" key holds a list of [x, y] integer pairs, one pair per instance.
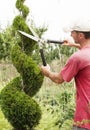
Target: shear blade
{"points": [[29, 36], [33, 32]]}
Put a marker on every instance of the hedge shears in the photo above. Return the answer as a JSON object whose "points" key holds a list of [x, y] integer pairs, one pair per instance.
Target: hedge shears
{"points": [[40, 41]]}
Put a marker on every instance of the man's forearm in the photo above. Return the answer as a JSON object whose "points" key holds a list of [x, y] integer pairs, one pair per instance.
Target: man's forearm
{"points": [[55, 77]]}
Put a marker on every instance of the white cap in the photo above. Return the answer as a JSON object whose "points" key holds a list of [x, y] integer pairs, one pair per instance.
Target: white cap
{"points": [[82, 25]]}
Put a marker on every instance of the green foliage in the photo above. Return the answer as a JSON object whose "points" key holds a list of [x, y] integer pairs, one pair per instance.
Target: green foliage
{"points": [[6, 42], [30, 72], [52, 99], [4, 124], [51, 53], [22, 8], [17, 104], [67, 50], [57, 103], [21, 110], [25, 11], [41, 30], [2, 49], [67, 125], [19, 4], [19, 24]]}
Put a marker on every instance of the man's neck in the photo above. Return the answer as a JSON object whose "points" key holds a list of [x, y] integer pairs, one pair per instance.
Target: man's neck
{"points": [[85, 43]]}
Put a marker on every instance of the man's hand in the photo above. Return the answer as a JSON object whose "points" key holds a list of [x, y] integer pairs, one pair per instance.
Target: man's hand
{"points": [[45, 70], [71, 43]]}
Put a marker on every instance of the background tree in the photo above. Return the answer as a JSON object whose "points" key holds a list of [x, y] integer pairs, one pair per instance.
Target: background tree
{"points": [[7, 41]]}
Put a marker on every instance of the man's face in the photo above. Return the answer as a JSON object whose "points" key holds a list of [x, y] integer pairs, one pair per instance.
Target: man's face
{"points": [[75, 36]]}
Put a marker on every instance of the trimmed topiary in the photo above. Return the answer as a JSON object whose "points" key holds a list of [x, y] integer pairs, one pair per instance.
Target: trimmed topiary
{"points": [[17, 104], [30, 72], [20, 109]]}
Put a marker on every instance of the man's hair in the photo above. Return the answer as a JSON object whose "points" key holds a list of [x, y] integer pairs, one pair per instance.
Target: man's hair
{"points": [[86, 34]]}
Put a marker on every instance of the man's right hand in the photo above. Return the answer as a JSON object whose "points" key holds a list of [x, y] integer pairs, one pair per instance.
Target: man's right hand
{"points": [[70, 42]]}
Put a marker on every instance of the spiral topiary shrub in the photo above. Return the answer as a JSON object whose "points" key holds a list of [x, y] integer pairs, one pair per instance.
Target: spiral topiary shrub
{"points": [[20, 109], [17, 102], [30, 72]]}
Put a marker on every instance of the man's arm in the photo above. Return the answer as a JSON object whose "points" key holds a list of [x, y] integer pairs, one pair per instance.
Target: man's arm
{"points": [[66, 43], [55, 77], [69, 41]]}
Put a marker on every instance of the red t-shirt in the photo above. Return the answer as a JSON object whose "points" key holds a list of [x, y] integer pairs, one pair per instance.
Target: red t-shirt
{"points": [[78, 66]]}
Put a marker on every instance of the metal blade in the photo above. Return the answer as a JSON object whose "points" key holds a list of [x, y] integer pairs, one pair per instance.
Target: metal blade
{"points": [[33, 32], [29, 36]]}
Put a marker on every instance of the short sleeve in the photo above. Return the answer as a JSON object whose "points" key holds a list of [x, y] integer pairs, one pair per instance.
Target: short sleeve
{"points": [[70, 69]]}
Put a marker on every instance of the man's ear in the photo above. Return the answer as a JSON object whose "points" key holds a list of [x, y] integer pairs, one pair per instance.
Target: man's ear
{"points": [[81, 35]]}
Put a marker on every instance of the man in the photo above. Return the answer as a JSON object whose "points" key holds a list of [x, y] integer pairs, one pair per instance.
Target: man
{"points": [[77, 67]]}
